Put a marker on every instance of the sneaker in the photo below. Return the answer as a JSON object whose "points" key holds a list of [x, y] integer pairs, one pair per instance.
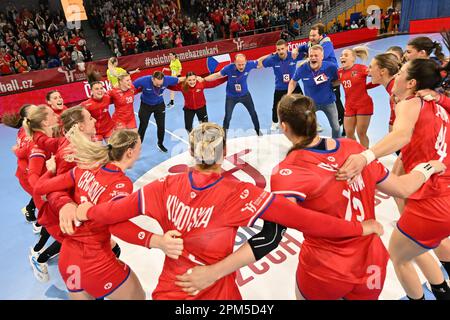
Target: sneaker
{"points": [[29, 215], [274, 126], [319, 128], [162, 148], [40, 270], [170, 106], [36, 227]]}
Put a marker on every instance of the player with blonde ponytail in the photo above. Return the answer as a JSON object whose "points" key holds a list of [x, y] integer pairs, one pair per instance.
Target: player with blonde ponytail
{"points": [[99, 177], [358, 104]]}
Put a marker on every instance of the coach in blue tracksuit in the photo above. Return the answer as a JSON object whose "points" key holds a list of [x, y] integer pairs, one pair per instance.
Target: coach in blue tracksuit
{"points": [[317, 77], [237, 89], [317, 36], [152, 102]]}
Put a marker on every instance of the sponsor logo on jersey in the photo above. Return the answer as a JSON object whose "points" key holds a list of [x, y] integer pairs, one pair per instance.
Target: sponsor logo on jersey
{"points": [[120, 185], [244, 194], [285, 172], [108, 286], [141, 235]]}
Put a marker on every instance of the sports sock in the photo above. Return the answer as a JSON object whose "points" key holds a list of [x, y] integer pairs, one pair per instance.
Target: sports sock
{"points": [[52, 250]]}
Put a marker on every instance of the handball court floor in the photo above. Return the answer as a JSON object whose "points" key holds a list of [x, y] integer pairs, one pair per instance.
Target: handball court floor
{"points": [[16, 237]]}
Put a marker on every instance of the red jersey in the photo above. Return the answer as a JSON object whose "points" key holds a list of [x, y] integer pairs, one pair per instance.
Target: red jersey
{"points": [[123, 103], [36, 166], [444, 101], [59, 111], [49, 210], [99, 110], [22, 142], [391, 101], [207, 210], [354, 81], [194, 97], [308, 175], [429, 141], [106, 184]]}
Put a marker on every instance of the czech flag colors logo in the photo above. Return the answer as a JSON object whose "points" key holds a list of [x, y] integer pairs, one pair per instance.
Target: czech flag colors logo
{"points": [[216, 63]]}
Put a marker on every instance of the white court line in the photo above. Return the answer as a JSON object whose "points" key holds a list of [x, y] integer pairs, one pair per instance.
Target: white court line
{"points": [[169, 132], [369, 48]]}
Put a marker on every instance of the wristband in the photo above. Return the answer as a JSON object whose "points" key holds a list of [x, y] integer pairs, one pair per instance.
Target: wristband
{"points": [[425, 168], [428, 97], [369, 155]]}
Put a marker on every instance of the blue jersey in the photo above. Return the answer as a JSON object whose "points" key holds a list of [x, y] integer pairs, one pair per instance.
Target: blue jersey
{"points": [[283, 69], [237, 81], [152, 95], [318, 84], [328, 50]]}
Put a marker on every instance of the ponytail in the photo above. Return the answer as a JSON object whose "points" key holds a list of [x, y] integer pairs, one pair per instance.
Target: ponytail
{"points": [[33, 121], [207, 143], [15, 120], [361, 52], [90, 155], [299, 113], [428, 45]]}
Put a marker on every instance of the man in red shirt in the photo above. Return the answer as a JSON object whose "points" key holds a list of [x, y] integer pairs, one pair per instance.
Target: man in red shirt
{"points": [[52, 50]]}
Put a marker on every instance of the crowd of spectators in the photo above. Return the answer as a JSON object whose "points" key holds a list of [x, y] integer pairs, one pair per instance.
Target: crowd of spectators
{"points": [[33, 40], [41, 39], [135, 26]]}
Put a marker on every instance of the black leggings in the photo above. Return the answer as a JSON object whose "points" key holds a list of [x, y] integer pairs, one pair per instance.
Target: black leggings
{"points": [[145, 111], [50, 251], [202, 116], [31, 206], [339, 105]]}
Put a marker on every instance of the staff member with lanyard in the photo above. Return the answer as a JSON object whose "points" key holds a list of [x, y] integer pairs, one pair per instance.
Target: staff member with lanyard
{"points": [[152, 102], [283, 64], [237, 88], [318, 77], [317, 36]]}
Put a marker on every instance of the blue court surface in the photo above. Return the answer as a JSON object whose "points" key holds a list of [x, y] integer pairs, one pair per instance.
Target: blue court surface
{"points": [[16, 277]]}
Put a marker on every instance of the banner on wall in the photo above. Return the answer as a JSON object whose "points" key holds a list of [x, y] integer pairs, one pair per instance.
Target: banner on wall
{"points": [[62, 75], [32, 87]]}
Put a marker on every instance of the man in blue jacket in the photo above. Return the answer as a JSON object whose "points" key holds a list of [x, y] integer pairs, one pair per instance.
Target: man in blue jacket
{"points": [[317, 36], [317, 77], [152, 102]]}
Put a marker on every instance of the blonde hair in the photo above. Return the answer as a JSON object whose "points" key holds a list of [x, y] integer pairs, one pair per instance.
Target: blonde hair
{"points": [[90, 155], [122, 75], [316, 47], [361, 52], [72, 116], [112, 61], [207, 144], [35, 116]]}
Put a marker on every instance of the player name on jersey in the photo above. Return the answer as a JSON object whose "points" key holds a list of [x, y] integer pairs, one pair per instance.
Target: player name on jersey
{"points": [[92, 187], [186, 217]]}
